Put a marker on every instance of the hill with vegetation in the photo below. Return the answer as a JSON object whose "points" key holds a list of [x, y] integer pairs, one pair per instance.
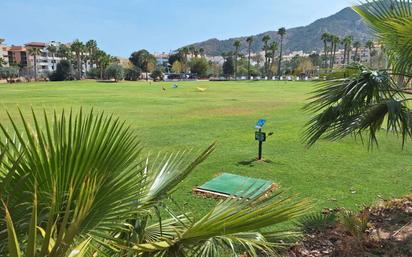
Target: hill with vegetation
{"points": [[306, 38]]}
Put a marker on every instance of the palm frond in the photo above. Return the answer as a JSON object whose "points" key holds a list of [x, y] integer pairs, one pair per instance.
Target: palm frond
{"points": [[164, 173], [85, 169], [355, 105]]}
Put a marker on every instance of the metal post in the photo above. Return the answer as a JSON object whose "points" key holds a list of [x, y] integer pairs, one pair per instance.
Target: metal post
{"points": [[260, 147]]}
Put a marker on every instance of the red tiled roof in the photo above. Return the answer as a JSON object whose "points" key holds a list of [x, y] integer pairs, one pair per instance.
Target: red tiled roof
{"points": [[36, 44], [16, 48]]}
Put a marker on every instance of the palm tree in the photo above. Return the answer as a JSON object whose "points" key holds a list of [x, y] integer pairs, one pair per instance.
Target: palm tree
{"points": [[185, 52], [52, 49], [236, 44], [249, 41], [325, 38], [78, 47], [370, 45], [265, 41], [371, 99], [356, 45], [87, 190], [347, 44], [34, 51], [281, 33], [102, 61], [335, 41], [273, 48], [91, 47]]}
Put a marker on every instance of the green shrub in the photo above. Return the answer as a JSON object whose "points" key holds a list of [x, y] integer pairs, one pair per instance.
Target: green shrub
{"points": [[355, 224], [318, 221], [115, 71], [64, 71], [93, 73], [132, 73], [9, 72], [157, 75]]}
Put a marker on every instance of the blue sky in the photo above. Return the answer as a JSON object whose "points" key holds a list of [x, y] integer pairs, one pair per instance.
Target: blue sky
{"points": [[122, 26]]}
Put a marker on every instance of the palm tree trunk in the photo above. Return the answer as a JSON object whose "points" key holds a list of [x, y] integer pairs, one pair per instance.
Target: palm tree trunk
{"points": [[248, 64], [271, 66], [325, 49], [235, 66], [35, 67], [370, 57], [331, 56], [344, 54], [79, 64], [280, 55]]}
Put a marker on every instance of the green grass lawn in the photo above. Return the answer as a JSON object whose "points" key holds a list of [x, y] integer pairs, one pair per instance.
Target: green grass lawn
{"points": [[329, 173]]}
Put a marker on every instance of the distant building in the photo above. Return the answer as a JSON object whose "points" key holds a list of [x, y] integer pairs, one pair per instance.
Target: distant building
{"points": [[46, 62], [17, 56]]}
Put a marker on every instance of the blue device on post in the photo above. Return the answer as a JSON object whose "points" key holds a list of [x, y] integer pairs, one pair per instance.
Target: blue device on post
{"points": [[260, 123]]}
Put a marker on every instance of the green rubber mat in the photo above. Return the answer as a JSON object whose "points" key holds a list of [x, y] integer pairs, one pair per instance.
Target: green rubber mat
{"points": [[229, 184]]}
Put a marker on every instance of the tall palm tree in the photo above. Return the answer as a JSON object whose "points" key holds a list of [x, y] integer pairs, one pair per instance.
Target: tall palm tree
{"points": [[236, 44], [371, 99], [87, 190], [347, 44], [325, 38], [273, 48], [356, 45], [34, 51], [281, 33], [265, 41], [370, 45], [185, 53], [249, 41], [78, 48], [52, 49], [91, 47], [335, 43], [102, 61]]}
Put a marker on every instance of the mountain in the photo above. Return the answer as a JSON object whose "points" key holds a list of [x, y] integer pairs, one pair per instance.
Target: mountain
{"points": [[306, 38]]}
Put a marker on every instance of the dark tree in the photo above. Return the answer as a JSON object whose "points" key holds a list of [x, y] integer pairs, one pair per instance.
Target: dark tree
{"points": [[64, 71], [228, 67], [132, 73]]}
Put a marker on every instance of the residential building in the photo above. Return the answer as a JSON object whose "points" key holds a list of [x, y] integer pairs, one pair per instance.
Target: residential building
{"points": [[17, 56]]}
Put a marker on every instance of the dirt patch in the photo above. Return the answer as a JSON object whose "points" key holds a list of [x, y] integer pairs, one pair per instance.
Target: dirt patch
{"points": [[389, 234]]}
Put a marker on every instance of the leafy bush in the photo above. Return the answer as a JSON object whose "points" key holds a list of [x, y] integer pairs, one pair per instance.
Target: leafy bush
{"points": [[133, 73], [9, 72], [343, 73], [114, 71], [93, 73], [157, 75], [64, 71], [318, 221], [353, 223]]}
